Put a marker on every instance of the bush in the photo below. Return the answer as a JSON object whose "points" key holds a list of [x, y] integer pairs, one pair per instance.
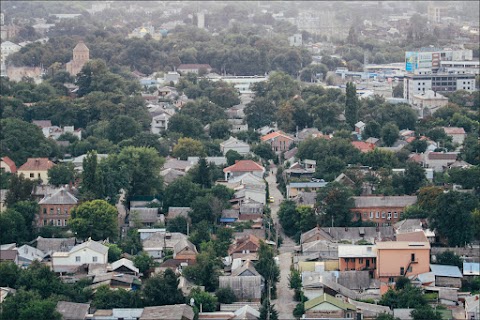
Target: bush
{"points": [[225, 295]]}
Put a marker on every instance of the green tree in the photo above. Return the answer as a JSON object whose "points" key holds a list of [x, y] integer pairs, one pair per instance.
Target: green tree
{"points": [[264, 151], [114, 252], [203, 175], [177, 224], [426, 312], [207, 300], [389, 133], [295, 279], [131, 244], [232, 156], [9, 273], [162, 289], [28, 210], [89, 185], [12, 227], [351, 104], [398, 90], [207, 269], [188, 147], [96, 219], [372, 129], [334, 203], [186, 125], [225, 295], [452, 217], [220, 129], [122, 127], [267, 267], [413, 178], [25, 305], [20, 189], [144, 263], [449, 258], [106, 298], [181, 193], [61, 174], [268, 311]]}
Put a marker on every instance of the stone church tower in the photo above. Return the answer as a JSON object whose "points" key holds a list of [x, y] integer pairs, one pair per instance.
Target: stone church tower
{"points": [[81, 54]]}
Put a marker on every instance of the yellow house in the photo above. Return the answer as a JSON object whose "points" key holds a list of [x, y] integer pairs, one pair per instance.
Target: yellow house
{"points": [[36, 168]]}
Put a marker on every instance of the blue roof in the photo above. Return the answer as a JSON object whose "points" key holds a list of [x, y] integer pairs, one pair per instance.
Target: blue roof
{"points": [[308, 184], [471, 268], [446, 271], [228, 219]]}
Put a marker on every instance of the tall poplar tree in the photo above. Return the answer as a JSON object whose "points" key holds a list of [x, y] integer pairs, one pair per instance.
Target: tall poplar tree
{"points": [[351, 104]]}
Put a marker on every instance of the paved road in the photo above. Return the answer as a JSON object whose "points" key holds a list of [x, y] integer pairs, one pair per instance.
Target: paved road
{"points": [[284, 303]]}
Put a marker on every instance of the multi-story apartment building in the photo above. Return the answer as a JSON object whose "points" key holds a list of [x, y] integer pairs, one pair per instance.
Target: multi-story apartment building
{"points": [[383, 210], [55, 208]]}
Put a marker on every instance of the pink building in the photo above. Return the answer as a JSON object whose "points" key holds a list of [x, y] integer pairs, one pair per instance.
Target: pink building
{"points": [[400, 258], [279, 141]]}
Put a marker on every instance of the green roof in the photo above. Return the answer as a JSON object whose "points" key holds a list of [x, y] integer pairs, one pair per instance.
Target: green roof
{"points": [[332, 300]]}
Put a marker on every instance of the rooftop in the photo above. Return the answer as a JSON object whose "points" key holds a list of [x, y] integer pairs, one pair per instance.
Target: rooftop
{"points": [[384, 201], [60, 197], [36, 164], [446, 271], [400, 245], [244, 166], [357, 251]]}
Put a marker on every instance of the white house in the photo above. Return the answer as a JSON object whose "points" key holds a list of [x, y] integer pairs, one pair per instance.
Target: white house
{"points": [[232, 143], [458, 134], [28, 254], [89, 252]]}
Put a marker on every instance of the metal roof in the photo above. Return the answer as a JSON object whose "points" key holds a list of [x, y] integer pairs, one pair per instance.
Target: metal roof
{"points": [[446, 271]]}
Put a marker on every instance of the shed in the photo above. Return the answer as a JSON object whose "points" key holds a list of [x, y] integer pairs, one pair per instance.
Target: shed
{"points": [[447, 276]]}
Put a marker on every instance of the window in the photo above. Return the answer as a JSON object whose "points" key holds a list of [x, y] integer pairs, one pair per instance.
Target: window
{"points": [[391, 280], [59, 211], [395, 215], [377, 215], [413, 257], [364, 214], [32, 175], [65, 211], [402, 271], [94, 259], [77, 259], [371, 215], [65, 223], [347, 260], [44, 222], [389, 215], [51, 210], [59, 223], [44, 210], [360, 260], [383, 214], [39, 176]]}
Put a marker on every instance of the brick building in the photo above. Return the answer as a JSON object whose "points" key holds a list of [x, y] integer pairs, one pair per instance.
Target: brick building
{"points": [[55, 209], [383, 210]]}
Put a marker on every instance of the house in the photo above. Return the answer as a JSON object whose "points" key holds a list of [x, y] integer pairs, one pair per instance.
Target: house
{"points": [[242, 246], [124, 266], [234, 144], [438, 161], [245, 281], [351, 234], [357, 257], [160, 120], [218, 161], [146, 217], [169, 175], [326, 306], [180, 165], [115, 280], [157, 243], [28, 254], [290, 155], [229, 215], [36, 168], [306, 199], [51, 245], [169, 312], [265, 130], [294, 188], [363, 146], [81, 55], [193, 68], [383, 210], [472, 307], [244, 166], [400, 258], [251, 192], [279, 141], [307, 133], [236, 112], [55, 209], [458, 134], [237, 125], [185, 250], [73, 310], [374, 141], [428, 102], [89, 252], [447, 276], [7, 165], [370, 311], [414, 236], [174, 212], [359, 127]]}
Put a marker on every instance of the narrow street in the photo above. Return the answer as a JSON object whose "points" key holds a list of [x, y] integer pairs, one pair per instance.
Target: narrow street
{"points": [[284, 303]]}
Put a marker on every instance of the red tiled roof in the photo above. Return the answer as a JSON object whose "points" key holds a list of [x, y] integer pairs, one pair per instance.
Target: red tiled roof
{"points": [[275, 135], [244, 166], [363, 146], [36, 164], [453, 130], [9, 162]]}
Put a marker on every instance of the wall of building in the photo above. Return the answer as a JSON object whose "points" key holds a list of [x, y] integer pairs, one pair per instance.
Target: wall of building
{"points": [[35, 174], [389, 262], [56, 215], [86, 256]]}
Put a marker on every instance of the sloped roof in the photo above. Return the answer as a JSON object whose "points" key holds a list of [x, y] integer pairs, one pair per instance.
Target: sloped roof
{"points": [[454, 130], [275, 134], [145, 214], [60, 197], [243, 242], [42, 123], [246, 313], [247, 266], [174, 212], [446, 271], [384, 201], [357, 251], [233, 141], [55, 244], [442, 156], [80, 47], [9, 162], [415, 236], [124, 263], [244, 166], [91, 244], [72, 310], [182, 244], [36, 164], [290, 153], [329, 299], [363, 146], [169, 312]]}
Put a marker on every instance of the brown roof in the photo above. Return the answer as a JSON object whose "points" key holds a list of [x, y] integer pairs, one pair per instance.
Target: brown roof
{"points": [[36, 164], [363, 146], [72, 310], [416, 236], [9, 162], [442, 156], [244, 166], [241, 243], [454, 130], [8, 255], [171, 312], [42, 123], [80, 47]]}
